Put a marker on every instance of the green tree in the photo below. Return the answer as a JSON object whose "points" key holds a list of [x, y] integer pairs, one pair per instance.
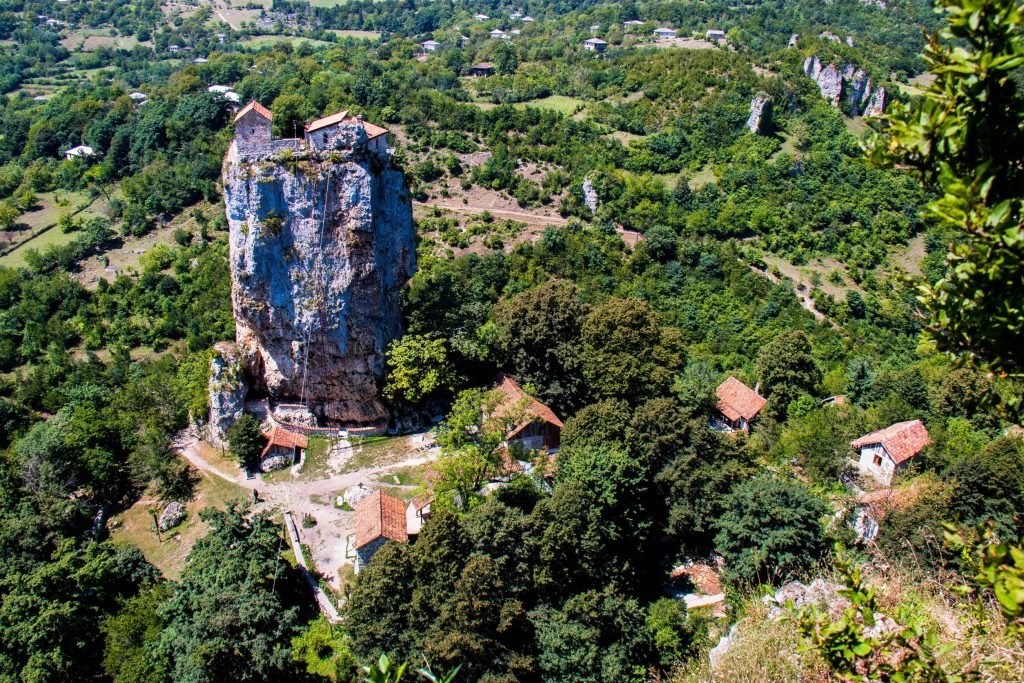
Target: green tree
{"points": [[418, 367], [625, 352], [990, 486], [677, 634], [233, 614], [787, 369], [129, 634], [246, 440], [290, 113], [966, 136], [770, 530], [539, 340], [324, 652]]}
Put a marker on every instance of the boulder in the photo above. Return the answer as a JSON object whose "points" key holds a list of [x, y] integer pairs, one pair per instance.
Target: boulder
{"points": [[590, 197], [171, 516], [275, 462]]}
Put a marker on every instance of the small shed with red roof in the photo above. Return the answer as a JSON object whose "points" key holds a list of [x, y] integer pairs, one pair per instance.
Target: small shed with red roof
{"points": [[379, 518], [283, 442], [884, 451], [738, 405]]}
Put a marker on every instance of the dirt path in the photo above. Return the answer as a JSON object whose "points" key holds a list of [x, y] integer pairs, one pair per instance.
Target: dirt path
{"points": [[329, 539], [225, 19], [524, 216], [804, 300]]}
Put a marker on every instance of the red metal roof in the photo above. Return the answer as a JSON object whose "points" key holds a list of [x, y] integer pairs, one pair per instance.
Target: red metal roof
{"points": [[736, 400], [372, 130], [380, 515], [513, 394], [285, 439], [902, 441], [256, 107]]}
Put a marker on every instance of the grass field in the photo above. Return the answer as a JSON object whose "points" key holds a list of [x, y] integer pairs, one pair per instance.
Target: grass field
{"points": [[43, 221], [134, 526], [327, 3], [90, 40], [559, 103], [270, 41], [365, 35]]}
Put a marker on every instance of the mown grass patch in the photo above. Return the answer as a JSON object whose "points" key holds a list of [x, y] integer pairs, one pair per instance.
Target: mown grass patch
{"points": [[168, 552], [560, 103]]}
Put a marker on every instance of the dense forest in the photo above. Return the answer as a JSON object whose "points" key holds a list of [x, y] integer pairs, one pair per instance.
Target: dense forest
{"points": [[858, 273]]}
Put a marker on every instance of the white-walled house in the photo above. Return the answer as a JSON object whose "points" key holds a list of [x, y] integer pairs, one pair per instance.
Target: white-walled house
{"points": [[417, 512], [664, 34], [595, 45], [883, 452], [379, 518]]}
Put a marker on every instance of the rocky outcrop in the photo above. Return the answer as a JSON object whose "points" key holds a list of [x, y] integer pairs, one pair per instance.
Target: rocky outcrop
{"points": [[876, 105], [760, 113], [794, 40], [830, 83], [857, 90], [850, 85], [321, 244], [227, 391], [590, 197]]}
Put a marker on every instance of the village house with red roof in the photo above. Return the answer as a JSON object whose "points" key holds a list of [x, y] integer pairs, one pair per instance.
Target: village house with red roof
{"points": [[738, 405], [536, 427], [883, 452], [380, 518]]}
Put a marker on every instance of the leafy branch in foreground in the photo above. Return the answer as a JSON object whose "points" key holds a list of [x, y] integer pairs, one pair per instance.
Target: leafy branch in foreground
{"points": [[966, 136], [863, 645], [383, 671]]}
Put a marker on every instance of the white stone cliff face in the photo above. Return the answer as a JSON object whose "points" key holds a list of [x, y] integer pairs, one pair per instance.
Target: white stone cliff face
{"points": [[760, 113], [227, 391], [850, 84], [320, 247]]}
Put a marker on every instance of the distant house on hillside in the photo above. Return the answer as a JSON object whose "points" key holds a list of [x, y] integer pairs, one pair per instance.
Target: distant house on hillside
{"points": [[632, 22], [481, 70], [79, 152], [664, 34], [595, 45], [481, 17], [715, 35], [379, 518], [430, 45], [499, 34], [738, 405], [882, 452], [538, 428]]}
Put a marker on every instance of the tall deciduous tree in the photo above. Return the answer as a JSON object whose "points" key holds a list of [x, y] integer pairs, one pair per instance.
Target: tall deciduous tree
{"points": [[539, 340], [966, 136], [787, 369], [770, 530]]}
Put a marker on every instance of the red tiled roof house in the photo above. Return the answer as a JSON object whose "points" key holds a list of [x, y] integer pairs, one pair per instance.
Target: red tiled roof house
{"points": [[282, 442], [881, 453], [738, 405], [539, 429], [379, 518]]}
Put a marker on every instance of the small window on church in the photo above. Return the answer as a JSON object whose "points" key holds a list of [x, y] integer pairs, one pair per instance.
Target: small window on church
{"points": [[252, 131], [878, 461], [325, 138]]}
